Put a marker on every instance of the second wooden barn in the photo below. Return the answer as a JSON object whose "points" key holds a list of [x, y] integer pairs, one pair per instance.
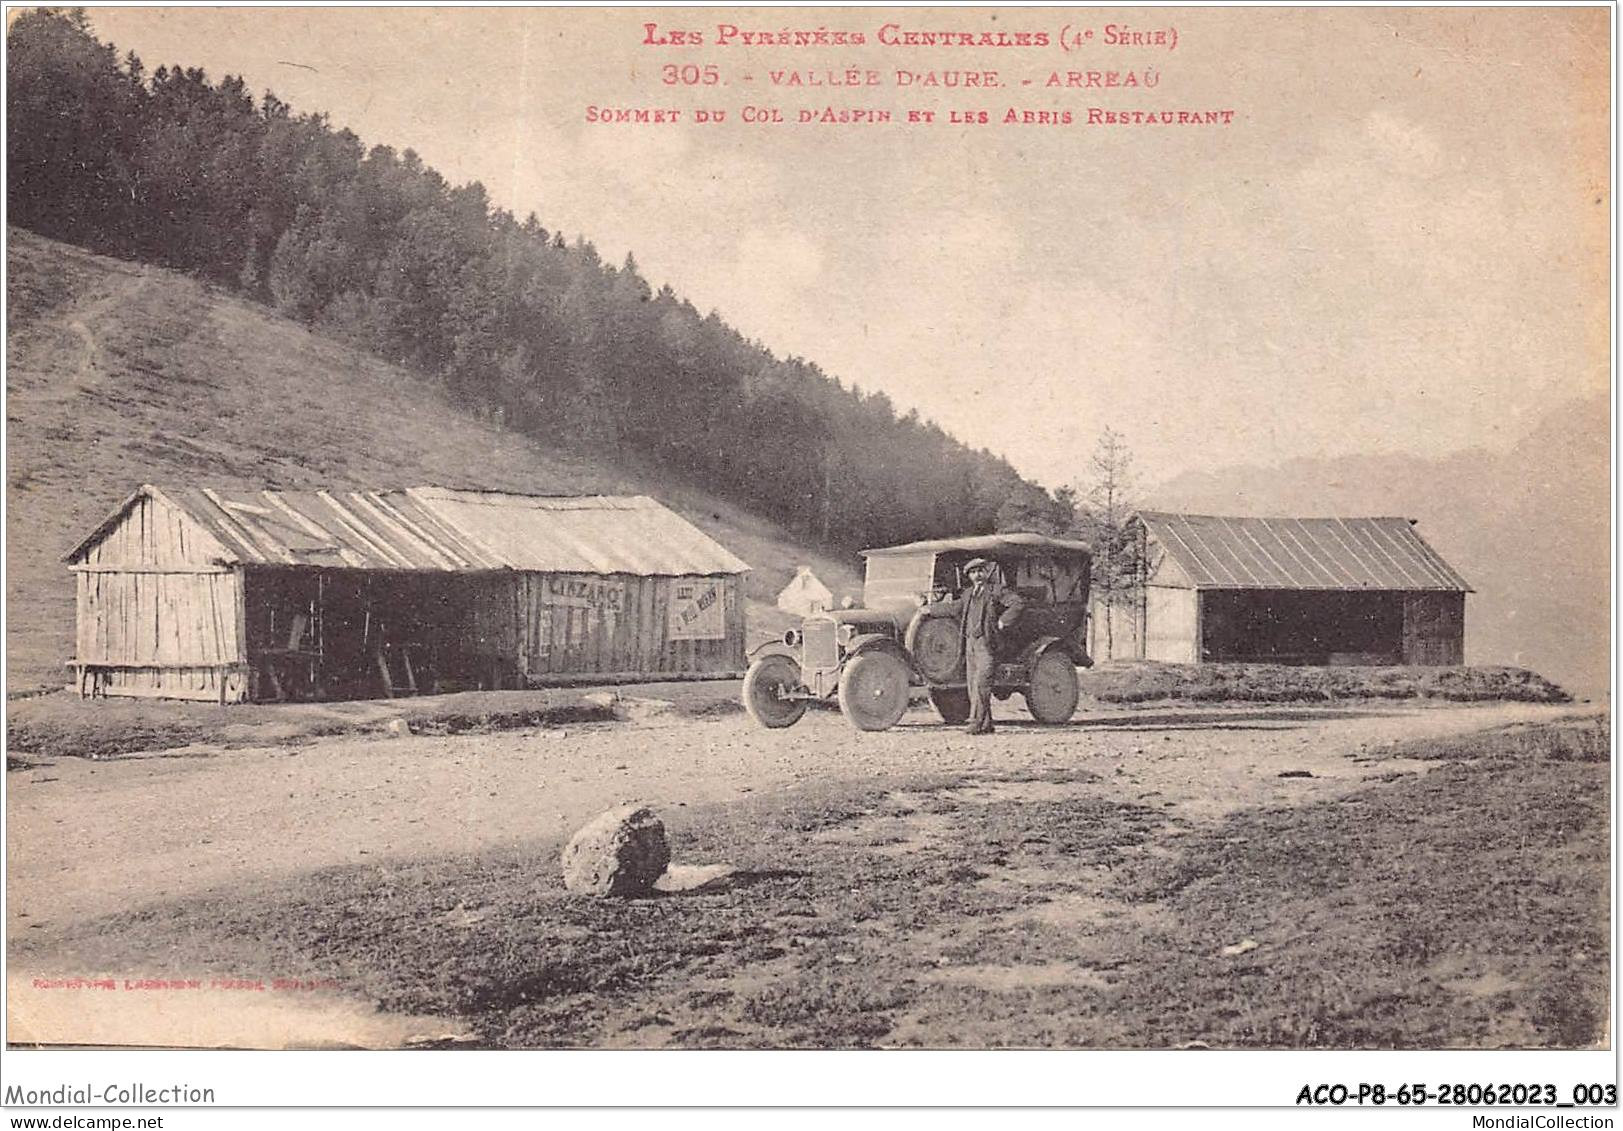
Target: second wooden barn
{"points": [[1317, 591], [229, 596]]}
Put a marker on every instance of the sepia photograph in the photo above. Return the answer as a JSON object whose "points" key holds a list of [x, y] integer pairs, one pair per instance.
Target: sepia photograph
{"points": [[849, 528]]}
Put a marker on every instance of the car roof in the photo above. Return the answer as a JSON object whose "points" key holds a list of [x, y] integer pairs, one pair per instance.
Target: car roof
{"points": [[991, 545]]}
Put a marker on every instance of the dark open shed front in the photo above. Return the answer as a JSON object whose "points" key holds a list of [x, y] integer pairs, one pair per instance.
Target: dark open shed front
{"points": [[1285, 590], [269, 595], [1331, 627]]}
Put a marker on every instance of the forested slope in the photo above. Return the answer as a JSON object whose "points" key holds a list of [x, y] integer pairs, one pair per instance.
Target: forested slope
{"points": [[121, 373], [517, 324]]}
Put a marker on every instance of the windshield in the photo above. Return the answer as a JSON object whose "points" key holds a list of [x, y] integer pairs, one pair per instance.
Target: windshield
{"points": [[897, 577]]}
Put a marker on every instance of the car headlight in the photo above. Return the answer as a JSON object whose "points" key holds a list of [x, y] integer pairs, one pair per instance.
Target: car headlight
{"points": [[846, 633], [792, 637]]}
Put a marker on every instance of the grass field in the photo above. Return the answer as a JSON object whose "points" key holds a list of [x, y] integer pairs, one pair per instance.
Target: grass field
{"points": [[63, 725], [1142, 681], [1466, 906], [120, 374]]}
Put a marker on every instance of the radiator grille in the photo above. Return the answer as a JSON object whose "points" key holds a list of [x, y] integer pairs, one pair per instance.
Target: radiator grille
{"points": [[818, 649]]}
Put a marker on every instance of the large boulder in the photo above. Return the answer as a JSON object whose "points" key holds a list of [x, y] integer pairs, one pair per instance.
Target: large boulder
{"points": [[621, 852]]}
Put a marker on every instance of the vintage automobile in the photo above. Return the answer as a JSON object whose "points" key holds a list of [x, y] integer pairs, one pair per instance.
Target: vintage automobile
{"points": [[908, 633]]}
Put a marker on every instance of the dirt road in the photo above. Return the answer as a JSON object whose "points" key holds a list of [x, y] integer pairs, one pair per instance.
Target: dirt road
{"points": [[88, 839]]}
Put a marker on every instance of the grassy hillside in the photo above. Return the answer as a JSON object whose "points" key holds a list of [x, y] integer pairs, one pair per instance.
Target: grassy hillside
{"points": [[1530, 528], [121, 374]]}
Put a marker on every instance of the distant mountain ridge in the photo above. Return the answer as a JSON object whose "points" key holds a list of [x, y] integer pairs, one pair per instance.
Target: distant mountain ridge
{"points": [[1529, 527]]}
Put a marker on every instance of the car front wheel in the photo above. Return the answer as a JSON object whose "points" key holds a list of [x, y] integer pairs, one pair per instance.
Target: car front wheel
{"points": [[766, 684]]}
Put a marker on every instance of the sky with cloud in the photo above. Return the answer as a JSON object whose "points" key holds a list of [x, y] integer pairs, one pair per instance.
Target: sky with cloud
{"points": [[1400, 244]]}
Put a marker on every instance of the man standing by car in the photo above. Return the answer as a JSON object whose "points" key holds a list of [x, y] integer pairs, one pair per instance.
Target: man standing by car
{"points": [[988, 608]]}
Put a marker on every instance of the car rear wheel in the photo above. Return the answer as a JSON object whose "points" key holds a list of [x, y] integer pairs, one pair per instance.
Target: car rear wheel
{"points": [[766, 683], [1053, 692], [873, 690], [952, 704]]}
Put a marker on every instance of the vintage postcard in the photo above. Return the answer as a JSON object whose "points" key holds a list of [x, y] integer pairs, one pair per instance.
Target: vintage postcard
{"points": [[810, 528]]}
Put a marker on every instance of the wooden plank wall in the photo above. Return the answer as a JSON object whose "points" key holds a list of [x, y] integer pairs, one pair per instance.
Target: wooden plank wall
{"points": [[611, 625], [152, 534], [497, 623], [1122, 640], [155, 618], [213, 685], [158, 619], [1172, 625], [1434, 628]]}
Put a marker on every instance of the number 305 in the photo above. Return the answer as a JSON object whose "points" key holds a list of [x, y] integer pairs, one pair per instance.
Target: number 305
{"points": [[690, 75]]}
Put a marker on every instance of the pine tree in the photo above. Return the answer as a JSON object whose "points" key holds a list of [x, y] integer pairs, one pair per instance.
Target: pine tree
{"points": [[1115, 565]]}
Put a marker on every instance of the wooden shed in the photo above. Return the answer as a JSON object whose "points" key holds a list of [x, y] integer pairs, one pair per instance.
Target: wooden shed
{"points": [[1327, 591], [192, 593]]}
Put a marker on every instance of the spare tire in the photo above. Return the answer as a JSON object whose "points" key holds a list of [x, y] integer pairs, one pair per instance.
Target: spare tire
{"points": [[936, 645]]}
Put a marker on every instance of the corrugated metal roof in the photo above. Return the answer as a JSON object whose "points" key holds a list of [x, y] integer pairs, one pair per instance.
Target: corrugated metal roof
{"points": [[1301, 553], [594, 534], [440, 530], [1016, 544]]}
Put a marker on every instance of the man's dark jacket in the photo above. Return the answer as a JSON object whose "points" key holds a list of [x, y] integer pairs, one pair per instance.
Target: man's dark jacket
{"points": [[986, 606]]}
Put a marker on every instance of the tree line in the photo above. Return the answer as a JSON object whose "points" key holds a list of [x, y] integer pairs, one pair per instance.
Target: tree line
{"points": [[522, 325]]}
